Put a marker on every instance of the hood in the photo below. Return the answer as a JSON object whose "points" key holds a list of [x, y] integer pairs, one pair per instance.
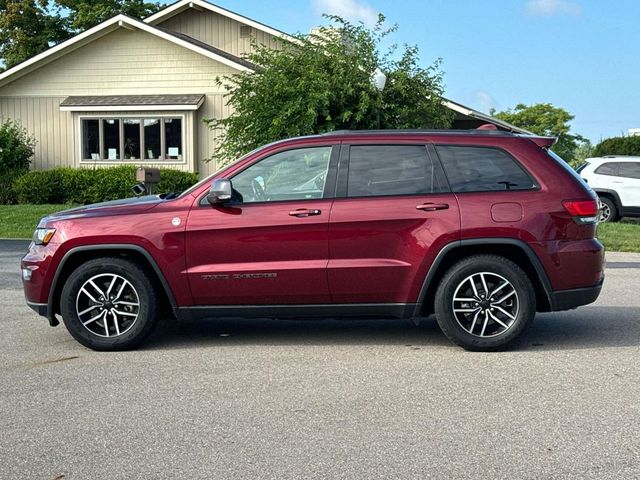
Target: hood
{"points": [[114, 207]]}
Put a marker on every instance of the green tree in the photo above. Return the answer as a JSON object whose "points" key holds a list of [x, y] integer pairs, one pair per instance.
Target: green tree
{"points": [[618, 146], [584, 151], [323, 82], [545, 119], [27, 27], [84, 14]]}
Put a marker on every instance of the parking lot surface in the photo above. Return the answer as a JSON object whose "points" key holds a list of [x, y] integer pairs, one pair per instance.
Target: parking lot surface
{"points": [[324, 399]]}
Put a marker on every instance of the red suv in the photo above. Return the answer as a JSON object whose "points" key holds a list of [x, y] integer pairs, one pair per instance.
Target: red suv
{"points": [[482, 228]]}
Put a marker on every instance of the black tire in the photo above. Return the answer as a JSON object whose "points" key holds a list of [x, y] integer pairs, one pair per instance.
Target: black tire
{"points": [[608, 210], [495, 270], [140, 289]]}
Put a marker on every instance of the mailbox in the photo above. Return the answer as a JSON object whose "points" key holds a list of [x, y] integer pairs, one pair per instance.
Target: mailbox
{"points": [[147, 178], [148, 175]]}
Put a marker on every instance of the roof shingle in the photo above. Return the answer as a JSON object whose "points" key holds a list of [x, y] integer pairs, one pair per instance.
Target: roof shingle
{"points": [[131, 100]]}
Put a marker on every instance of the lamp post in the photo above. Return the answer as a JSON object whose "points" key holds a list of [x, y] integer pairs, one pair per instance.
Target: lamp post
{"points": [[379, 80]]}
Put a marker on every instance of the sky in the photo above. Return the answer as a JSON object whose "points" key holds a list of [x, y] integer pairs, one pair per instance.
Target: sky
{"points": [[581, 55]]}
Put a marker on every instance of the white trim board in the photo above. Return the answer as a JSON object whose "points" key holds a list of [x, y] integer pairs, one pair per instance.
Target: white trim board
{"points": [[130, 108], [199, 5], [108, 26]]}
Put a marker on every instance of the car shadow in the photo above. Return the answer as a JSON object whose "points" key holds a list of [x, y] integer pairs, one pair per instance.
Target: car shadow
{"points": [[589, 327]]}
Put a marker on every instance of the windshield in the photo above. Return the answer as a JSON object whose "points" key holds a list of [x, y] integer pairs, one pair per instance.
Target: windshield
{"points": [[581, 167]]}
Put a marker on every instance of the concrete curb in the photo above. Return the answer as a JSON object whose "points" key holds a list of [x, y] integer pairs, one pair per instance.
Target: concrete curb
{"points": [[14, 245]]}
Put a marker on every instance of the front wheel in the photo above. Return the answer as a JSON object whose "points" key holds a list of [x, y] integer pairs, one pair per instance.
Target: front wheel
{"points": [[484, 303], [109, 304]]}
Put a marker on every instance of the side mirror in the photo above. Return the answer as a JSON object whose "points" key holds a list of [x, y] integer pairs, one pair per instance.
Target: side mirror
{"points": [[220, 191]]}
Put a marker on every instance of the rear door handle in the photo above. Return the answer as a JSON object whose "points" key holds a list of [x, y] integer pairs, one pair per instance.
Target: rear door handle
{"points": [[305, 212], [430, 207]]}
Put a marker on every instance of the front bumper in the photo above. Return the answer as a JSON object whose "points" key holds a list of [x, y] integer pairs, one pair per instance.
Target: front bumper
{"points": [[39, 308], [43, 310], [569, 299]]}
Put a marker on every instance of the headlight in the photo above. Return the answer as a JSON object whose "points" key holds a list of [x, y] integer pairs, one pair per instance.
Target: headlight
{"points": [[42, 236]]}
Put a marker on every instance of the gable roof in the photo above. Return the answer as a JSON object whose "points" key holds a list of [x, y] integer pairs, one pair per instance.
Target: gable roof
{"points": [[210, 48], [182, 5], [108, 26], [470, 112]]}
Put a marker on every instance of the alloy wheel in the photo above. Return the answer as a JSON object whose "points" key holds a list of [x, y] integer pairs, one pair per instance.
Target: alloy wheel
{"points": [[485, 304], [107, 305], [605, 212]]}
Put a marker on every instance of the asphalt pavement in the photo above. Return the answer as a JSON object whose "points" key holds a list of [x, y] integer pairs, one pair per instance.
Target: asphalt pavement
{"points": [[324, 399]]}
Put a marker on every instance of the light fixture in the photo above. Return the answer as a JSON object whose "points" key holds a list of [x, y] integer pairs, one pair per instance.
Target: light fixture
{"points": [[378, 79]]}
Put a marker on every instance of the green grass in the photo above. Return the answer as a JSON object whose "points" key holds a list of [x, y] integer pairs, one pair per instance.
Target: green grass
{"points": [[621, 236], [18, 221]]}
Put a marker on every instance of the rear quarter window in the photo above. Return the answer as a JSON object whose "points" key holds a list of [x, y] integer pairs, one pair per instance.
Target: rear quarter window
{"points": [[482, 169], [629, 170]]}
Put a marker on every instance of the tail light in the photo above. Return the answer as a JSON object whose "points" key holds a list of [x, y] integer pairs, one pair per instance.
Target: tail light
{"points": [[583, 211]]}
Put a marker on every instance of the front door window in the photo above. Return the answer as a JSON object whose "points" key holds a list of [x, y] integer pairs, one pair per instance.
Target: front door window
{"points": [[298, 174]]}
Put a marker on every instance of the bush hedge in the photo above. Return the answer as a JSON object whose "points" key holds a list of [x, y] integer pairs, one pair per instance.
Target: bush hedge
{"points": [[16, 152], [618, 146], [84, 186]]}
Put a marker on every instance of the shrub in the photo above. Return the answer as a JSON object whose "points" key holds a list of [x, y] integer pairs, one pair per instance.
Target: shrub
{"points": [[16, 152], [618, 146], [83, 186]]}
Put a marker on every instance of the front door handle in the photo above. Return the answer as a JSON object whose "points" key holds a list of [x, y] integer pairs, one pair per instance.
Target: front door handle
{"points": [[430, 207], [305, 212]]}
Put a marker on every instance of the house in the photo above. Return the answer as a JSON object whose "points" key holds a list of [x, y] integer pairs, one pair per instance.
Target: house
{"points": [[131, 91]]}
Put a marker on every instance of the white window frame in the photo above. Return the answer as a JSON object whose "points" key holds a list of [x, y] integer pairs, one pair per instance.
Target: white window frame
{"points": [[139, 161]]}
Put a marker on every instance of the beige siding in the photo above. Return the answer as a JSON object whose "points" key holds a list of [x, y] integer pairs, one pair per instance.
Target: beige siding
{"points": [[217, 30], [214, 107], [121, 63], [42, 118]]}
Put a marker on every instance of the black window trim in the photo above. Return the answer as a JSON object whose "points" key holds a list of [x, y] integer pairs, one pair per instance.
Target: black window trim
{"points": [[345, 159], [534, 181], [329, 184], [617, 165]]}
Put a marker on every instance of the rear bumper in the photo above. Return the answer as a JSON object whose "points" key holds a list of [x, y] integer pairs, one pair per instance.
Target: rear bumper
{"points": [[568, 299]]}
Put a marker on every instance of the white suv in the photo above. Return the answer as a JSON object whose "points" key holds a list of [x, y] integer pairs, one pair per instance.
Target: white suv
{"points": [[616, 180]]}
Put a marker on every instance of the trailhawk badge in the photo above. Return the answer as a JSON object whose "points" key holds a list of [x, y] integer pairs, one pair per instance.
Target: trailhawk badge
{"points": [[239, 276]]}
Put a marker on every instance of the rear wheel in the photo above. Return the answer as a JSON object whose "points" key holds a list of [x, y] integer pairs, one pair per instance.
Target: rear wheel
{"points": [[608, 210], [109, 304], [484, 302]]}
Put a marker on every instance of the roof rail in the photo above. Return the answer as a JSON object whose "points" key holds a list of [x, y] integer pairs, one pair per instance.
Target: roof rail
{"points": [[423, 131]]}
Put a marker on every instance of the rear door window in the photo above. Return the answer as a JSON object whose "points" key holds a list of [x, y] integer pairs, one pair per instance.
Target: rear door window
{"points": [[379, 170], [609, 168], [482, 169]]}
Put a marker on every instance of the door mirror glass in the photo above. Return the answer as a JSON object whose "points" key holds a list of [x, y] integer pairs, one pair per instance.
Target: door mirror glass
{"points": [[220, 191]]}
